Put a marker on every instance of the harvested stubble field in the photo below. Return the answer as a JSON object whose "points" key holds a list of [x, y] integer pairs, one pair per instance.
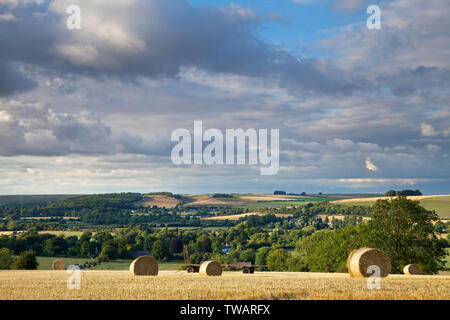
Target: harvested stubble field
{"points": [[99, 285], [235, 217]]}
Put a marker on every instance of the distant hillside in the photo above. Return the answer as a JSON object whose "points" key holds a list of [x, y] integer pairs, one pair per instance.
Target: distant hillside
{"points": [[98, 201], [160, 200], [34, 199]]}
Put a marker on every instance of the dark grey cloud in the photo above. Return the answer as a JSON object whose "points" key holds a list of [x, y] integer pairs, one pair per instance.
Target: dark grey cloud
{"points": [[12, 80], [157, 39], [39, 131]]}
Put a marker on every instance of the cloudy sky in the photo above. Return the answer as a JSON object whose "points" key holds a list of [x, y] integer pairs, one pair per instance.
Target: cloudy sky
{"points": [[92, 110]]}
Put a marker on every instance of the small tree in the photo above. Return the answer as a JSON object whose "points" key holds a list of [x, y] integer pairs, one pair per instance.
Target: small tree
{"points": [[26, 261], [6, 259], [247, 255], [176, 245], [109, 252], [160, 250], [206, 245], [261, 255], [279, 259], [390, 193], [195, 258], [55, 246]]}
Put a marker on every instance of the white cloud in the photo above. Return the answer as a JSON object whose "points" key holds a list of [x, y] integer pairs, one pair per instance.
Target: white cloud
{"points": [[370, 166], [19, 3], [4, 116], [7, 17], [387, 181], [428, 130], [433, 148]]}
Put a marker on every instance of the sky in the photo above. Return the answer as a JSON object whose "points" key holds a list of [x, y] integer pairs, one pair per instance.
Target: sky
{"points": [[358, 110]]}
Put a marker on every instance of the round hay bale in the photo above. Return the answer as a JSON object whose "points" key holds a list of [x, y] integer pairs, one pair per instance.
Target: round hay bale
{"points": [[210, 268], [58, 265], [348, 262], [144, 266], [411, 269], [359, 260]]}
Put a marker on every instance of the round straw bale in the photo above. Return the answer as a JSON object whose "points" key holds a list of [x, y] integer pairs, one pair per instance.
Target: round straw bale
{"points": [[359, 260], [411, 269], [144, 266], [348, 262], [58, 265], [210, 268]]}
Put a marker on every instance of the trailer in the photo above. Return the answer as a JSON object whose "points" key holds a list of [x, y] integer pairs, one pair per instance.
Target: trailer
{"points": [[192, 268], [246, 267]]}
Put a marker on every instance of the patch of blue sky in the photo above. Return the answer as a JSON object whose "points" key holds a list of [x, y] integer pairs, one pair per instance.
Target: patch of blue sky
{"points": [[299, 26], [332, 111]]}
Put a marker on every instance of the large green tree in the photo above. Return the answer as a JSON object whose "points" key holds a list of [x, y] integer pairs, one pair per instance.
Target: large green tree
{"points": [[400, 227], [326, 250], [404, 230]]}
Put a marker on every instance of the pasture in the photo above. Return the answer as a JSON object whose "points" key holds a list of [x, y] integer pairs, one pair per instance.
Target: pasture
{"points": [[65, 233], [439, 203], [101, 285], [257, 200], [45, 263]]}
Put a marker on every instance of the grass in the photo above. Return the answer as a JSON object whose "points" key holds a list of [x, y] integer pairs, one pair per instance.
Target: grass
{"points": [[63, 233], [292, 203], [125, 265], [440, 204], [274, 204], [102, 285], [45, 263]]}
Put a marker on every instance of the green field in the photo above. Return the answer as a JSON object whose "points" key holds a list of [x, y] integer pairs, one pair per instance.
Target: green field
{"points": [[45, 263], [125, 265], [274, 204], [440, 204], [63, 233], [294, 201]]}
